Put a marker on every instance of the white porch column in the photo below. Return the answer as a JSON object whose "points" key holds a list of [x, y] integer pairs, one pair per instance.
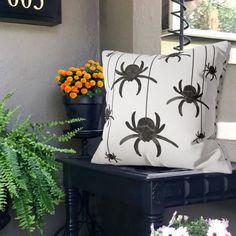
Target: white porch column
{"points": [[130, 25]]}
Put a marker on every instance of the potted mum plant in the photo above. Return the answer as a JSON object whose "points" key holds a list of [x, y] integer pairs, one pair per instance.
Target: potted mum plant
{"points": [[181, 226], [82, 89], [29, 173]]}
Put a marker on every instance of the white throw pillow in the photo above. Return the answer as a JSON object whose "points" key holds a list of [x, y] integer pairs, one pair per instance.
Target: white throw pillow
{"points": [[161, 110]]}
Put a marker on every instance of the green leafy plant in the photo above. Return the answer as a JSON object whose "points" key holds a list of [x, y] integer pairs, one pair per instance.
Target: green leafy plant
{"points": [[197, 227], [199, 17], [29, 173]]}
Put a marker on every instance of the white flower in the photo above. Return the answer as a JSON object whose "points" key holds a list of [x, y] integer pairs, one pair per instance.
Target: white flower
{"points": [[186, 218], [218, 228], [170, 231], [182, 231], [167, 231], [173, 219], [180, 218], [152, 230]]}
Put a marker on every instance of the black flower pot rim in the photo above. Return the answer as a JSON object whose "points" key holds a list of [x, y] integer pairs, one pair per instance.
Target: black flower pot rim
{"points": [[84, 99]]}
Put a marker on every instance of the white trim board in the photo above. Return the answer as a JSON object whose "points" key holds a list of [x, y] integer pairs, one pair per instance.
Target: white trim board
{"points": [[226, 130]]}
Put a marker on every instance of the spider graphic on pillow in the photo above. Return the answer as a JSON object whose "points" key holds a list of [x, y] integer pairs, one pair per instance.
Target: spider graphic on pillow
{"points": [[200, 137], [178, 55], [131, 73], [111, 157], [146, 130], [210, 70], [108, 115], [189, 94]]}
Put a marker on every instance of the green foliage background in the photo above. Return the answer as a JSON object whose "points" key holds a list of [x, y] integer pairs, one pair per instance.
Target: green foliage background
{"points": [[29, 173], [199, 17]]}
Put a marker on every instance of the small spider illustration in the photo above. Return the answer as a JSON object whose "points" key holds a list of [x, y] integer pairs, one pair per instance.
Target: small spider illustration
{"points": [[130, 73], [146, 130], [111, 157], [173, 55], [211, 70], [189, 95], [108, 115], [200, 136]]}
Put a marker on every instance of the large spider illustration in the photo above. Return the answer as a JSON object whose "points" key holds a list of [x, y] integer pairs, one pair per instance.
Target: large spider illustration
{"points": [[146, 131], [173, 55], [111, 157], [200, 136], [189, 95], [108, 115], [211, 70], [130, 73]]}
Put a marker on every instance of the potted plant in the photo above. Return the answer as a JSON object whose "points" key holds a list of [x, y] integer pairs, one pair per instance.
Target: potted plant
{"points": [[29, 173], [181, 226], [82, 89]]}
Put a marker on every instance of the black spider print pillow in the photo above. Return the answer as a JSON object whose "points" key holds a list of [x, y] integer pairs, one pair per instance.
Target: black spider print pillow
{"points": [[161, 110]]}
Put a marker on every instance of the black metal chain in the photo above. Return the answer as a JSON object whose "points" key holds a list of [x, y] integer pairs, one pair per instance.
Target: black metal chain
{"points": [[183, 40]]}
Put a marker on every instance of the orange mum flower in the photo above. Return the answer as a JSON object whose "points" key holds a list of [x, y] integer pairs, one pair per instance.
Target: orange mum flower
{"points": [[92, 83], [74, 89], [67, 82], [69, 73], [100, 84], [100, 75], [87, 65], [69, 79], [92, 68], [91, 61], [68, 89], [95, 75], [87, 76], [73, 95], [76, 77], [88, 85], [83, 80], [62, 86], [78, 84], [100, 68], [58, 78], [62, 72], [72, 69], [84, 91], [79, 73], [82, 68]]}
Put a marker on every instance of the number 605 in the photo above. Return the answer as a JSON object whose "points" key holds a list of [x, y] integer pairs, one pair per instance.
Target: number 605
{"points": [[26, 4]]}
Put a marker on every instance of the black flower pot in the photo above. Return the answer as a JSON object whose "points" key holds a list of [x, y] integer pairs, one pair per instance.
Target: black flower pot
{"points": [[4, 219], [89, 108], [4, 215]]}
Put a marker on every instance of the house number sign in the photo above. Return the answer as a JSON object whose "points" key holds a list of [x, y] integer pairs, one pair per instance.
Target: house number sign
{"points": [[26, 4], [39, 12]]}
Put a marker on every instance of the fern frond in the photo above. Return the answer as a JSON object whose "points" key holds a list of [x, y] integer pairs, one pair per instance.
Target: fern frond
{"points": [[6, 172], [3, 195], [6, 117], [68, 136], [24, 212], [50, 124]]}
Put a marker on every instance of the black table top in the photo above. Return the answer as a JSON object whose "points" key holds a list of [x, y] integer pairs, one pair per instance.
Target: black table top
{"points": [[137, 172]]}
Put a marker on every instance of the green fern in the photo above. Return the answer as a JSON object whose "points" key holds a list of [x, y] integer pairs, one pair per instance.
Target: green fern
{"points": [[28, 168]]}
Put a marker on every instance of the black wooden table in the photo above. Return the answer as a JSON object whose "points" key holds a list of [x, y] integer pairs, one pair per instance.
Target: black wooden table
{"points": [[151, 188]]}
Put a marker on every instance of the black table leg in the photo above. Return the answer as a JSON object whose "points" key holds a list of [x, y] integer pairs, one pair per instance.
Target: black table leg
{"points": [[156, 220], [153, 207], [72, 216]]}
